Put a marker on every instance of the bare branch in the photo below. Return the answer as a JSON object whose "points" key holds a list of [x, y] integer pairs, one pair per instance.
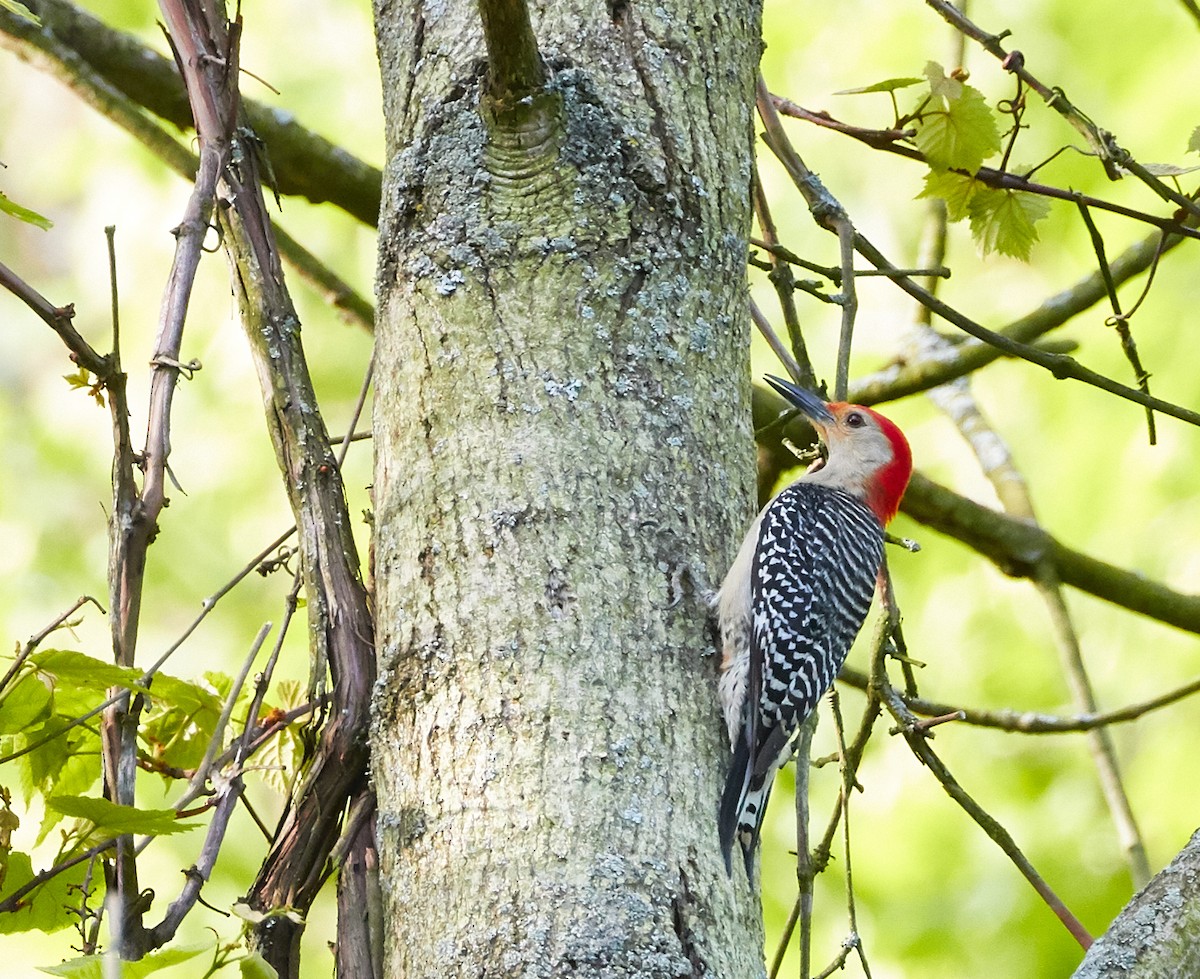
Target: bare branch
{"points": [[1017, 548], [956, 401], [303, 162], [36, 639], [1103, 143], [785, 285], [917, 741], [1060, 365], [1029, 722], [829, 214], [58, 318], [514, 65]]}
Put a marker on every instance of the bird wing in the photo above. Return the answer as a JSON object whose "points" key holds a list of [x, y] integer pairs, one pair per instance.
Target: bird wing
{"points": [[811, 586]]}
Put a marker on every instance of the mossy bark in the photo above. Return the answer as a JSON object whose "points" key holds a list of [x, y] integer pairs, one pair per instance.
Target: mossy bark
{"points": [[564, 464]]}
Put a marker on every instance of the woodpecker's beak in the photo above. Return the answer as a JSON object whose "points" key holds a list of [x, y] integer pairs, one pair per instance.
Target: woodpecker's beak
{"points": [[813, 407]]}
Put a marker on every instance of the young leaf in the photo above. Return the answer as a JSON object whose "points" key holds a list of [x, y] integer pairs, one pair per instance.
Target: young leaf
{"points": [[1194, 141], [94, 966], [8, 206], [956, 189], [46, 908], [254, 966], [21, 11], [79, 671], [111, 819], [957, 129], [1168, 169], [888, 85], [78, 774], [24, 704], [38, 770], [1003, 221]]}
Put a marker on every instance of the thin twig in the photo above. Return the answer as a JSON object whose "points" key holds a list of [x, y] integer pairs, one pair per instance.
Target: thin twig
{"points": [[781, 352], [71, 40], [218, 736], [58, 318], [885, 140], [14, 900], [829, 214], [56, 56], [834, 273], [839, 961], [938, 367], [955, 400], [1192, 8], [1113, 157], [917, 741], [1060, 365], [36, 639], [1030, 722], [849, 783], [849, 303], [932, 722], [785, 285], [1119, 320]]}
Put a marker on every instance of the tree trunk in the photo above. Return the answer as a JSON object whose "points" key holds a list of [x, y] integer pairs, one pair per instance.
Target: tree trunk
{"points": [[1157, 935], [564, 465]]}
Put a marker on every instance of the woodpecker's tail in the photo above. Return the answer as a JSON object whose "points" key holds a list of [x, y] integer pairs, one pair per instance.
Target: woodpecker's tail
{"points": [[742, 806], [736, 785]]}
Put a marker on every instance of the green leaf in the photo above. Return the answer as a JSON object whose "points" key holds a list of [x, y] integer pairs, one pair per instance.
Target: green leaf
{"points": [[77, 775], [79, 671], [111, 819], [93, 966], [39, 769], [45, 908], [888, 85], [21, 11], [957, 129], [8, 206], [254, 966], [1194, 141], [24, 704], [1003, 221], [184, 720], [185, 694], [941, 85], [956, 189], [276, 760]]}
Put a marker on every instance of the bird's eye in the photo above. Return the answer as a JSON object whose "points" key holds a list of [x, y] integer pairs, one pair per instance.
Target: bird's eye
{"points": [[855, 419]]}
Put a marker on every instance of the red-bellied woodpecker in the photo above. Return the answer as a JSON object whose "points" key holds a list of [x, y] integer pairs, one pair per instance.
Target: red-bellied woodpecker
{"points": [[797, 595]]}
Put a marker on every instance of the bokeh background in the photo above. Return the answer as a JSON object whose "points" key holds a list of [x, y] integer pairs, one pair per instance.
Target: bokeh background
{"points": [[934, 895]]}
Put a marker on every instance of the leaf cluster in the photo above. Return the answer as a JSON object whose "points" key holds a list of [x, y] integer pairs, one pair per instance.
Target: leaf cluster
{"points": [[957, 132], [50, 753]]}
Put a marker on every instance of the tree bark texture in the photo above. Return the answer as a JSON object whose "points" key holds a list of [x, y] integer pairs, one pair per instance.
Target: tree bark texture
{"points": [[564, 466], [1157, 935]]}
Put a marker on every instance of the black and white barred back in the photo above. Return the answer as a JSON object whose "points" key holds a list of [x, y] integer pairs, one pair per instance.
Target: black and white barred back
{"points": [[813, 575]]}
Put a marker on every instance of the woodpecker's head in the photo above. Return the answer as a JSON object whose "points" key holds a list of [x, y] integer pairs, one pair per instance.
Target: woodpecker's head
{"points": [[868, 455]]}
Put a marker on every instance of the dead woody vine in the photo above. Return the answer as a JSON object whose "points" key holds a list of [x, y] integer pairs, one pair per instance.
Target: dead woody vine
{"points": [[328, 821]]}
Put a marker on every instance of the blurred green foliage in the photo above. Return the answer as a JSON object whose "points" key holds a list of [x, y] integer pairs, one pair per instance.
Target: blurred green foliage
{"points": [[934, 895]]}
